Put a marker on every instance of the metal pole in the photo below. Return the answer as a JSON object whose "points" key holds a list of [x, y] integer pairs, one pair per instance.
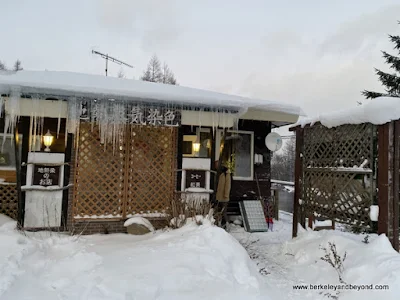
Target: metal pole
{"points": [[106, 63]]}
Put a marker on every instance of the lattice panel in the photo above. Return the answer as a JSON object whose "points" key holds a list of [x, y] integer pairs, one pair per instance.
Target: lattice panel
{"points": [[9, 200], [152, 163], [99, 178], [342, 146], [331, 186], [338, 195]]}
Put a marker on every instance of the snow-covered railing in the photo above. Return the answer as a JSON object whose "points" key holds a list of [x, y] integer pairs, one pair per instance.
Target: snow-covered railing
{"points": [[282, 182]]}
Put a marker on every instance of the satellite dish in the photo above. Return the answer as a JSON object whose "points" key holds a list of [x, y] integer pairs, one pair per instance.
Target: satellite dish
{"points": [[273, 141]]}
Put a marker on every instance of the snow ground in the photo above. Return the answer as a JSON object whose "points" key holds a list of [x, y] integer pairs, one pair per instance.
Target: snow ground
{"points": [[193, 262], [286, 262]]}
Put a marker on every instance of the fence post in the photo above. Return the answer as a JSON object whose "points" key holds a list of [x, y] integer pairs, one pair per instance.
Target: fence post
{"points": [[396, 183], [383, 179], [276, 198], [297, 179]]}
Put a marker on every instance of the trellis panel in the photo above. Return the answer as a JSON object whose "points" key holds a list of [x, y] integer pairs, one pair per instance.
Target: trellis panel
{"points": [[137, 176], [151, 165], [100, 173], [9, 200], [338, 172]]}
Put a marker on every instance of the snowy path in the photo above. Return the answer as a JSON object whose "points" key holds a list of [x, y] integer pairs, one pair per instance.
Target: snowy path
{"points": [[267, 249]]}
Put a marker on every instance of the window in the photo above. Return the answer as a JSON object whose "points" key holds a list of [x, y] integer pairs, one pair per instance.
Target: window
{"points": [[7, 153], [241, 149], [204, 135], [203, 138]]}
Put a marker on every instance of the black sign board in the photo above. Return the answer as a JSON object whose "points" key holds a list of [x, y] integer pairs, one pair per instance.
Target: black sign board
{"points": [[195, 179], [45, 175]]}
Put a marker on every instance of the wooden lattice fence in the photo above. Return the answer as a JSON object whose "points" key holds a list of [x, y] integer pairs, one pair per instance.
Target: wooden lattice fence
{"points": [[136, 177], [9, 200], [338, 169]]}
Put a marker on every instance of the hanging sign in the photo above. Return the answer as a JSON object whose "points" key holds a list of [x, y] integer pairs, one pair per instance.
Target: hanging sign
{"points": [[195, 179], [135, 114], [45, 175]]}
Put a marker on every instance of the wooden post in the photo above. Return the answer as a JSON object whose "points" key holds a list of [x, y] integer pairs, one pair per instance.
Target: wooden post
{"points": [[396, 183], [21, 205], [298, 170], [383, 178], [276, 204], [67, 174], [310, 221]]}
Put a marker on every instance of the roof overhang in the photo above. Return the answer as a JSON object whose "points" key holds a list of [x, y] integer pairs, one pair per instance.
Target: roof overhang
{"points": [[65, 86]]}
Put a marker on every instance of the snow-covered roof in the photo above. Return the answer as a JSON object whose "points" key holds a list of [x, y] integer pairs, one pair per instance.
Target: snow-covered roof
{"points": [[85, 85], [377, 111]]}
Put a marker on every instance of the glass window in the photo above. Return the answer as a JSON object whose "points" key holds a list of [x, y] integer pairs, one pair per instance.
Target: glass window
{"points": [[204, 135], [243, 156], [7, 154], [240, 145]]}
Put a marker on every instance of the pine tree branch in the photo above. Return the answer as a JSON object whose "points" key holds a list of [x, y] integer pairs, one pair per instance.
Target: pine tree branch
{"points": [[394, 61], [371, 95], [390, 81], [396, 40]]}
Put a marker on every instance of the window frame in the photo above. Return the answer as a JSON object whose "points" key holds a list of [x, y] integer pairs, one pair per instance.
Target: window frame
{"points": [[10, 136], [218, 145]]}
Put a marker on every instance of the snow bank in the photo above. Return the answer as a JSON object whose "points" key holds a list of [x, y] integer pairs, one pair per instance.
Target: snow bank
{"points": [[374, 263], [6, 221], [377, 111], [194, 262], [141, 221]]}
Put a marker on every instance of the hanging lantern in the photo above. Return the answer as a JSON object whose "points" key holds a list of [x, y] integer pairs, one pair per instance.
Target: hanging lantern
{"points": [[196, 145], [48, 140]]}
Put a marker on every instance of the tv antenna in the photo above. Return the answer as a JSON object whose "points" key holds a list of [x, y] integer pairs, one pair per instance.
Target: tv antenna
{"points": [[114, 60]]}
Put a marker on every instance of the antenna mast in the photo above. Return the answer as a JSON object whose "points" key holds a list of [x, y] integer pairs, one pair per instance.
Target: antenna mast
{"points": [[114, 60]]}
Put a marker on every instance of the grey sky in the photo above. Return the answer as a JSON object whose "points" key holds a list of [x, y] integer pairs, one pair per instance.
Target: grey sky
{"points": [[317, 54]]}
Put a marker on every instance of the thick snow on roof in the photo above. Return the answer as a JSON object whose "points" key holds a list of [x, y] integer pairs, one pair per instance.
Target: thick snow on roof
{"points": [[377, 111], [77, 84]]}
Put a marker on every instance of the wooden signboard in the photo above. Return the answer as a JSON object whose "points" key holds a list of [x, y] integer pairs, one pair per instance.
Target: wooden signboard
{"points": [[45, 175], [195, 179]]}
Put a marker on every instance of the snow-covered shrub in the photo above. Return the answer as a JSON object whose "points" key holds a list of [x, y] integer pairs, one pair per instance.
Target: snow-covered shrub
{"points": [[333, 258], [180, 212]]}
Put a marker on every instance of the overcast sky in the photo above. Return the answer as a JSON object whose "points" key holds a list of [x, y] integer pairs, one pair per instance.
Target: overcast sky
{"points": [[316, 54]]}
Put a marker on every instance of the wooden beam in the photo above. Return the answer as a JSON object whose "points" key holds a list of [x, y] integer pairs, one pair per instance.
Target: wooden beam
{"points": [[67, 174], [298, 174], [396, 184], [383, 178]]}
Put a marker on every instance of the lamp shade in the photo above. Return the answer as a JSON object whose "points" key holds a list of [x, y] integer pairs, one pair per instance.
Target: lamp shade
{"points": [[48, 139], [196, 145]]}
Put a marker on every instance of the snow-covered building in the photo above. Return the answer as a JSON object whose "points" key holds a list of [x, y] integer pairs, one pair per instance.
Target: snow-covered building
{"points": [[94, 150]]}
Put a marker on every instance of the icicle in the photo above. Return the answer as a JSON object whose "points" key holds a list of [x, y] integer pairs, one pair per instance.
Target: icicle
{"points": [[6, 126], [34, 131], [59, 117], [1, 105], [30, 132], [13, 113]]}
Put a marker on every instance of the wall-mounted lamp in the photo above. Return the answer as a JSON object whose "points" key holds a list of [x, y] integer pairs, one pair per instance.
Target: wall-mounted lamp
{"points": [[48, 140], [196, 145]]}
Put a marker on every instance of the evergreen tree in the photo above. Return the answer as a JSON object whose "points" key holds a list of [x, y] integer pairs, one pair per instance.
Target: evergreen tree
{"points": [[2, 66], [18, 66], [155, 73], [390, 81]]}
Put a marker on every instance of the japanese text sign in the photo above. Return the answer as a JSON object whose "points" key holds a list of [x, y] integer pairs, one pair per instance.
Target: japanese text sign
{"points": [[45, 175]]}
